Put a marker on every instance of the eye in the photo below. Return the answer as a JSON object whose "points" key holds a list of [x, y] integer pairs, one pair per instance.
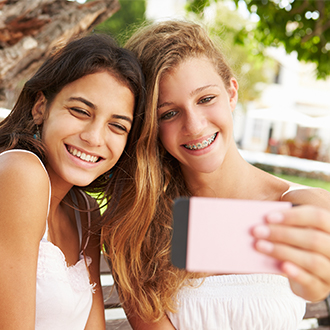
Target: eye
{"points": [[119, 128], [206, 99], [79, 112], [168, 115]]}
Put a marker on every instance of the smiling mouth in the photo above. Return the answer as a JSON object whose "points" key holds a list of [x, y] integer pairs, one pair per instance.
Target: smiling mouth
{"points": [[201, 145], [82, 155]]}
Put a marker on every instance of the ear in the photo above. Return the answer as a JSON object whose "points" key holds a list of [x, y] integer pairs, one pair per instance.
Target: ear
{"points": [[233, 93], [39, 109]]}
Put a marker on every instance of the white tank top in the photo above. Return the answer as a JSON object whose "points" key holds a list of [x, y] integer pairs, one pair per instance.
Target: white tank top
{"points": [[239, 302], [63, 294]]}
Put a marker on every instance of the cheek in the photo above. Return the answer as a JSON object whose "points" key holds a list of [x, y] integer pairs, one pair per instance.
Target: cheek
{"points": [[168, 141], [168, 130], [49, 133], [116, 146], [163, 136], [59, 125], [120, 149], [222, 117]]}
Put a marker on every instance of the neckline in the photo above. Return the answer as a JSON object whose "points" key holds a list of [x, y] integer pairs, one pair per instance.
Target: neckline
{"points": [[81, 256]]}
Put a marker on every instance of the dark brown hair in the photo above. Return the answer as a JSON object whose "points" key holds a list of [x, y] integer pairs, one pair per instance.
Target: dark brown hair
{"points": [[78, 58]]}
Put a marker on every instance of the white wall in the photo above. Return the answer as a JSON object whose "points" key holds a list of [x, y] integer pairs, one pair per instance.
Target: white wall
{"points": [[3, 113], [165, 9]]}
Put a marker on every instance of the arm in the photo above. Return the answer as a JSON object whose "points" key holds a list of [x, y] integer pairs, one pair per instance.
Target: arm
{"points": [[23, 209], [163, 324], [300, 238], [96, 318], [137, 323]]}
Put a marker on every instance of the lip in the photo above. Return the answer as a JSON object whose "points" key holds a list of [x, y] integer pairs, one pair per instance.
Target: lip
{"points": [[200, 144], [86, 161]]}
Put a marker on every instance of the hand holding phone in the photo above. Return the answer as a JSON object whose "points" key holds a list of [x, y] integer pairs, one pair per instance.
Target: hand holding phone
{"points": [[213, 235]]}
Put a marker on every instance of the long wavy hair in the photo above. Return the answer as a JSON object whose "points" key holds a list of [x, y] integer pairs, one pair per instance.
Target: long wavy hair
{"points": [[138, 242], [80, 57]]}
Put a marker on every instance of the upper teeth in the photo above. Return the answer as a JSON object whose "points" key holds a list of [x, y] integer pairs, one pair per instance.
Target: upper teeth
{"points": [[82, 155], [201, 145]]}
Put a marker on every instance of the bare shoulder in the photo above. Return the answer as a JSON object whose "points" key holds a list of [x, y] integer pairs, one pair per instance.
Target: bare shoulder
{"points": [[303, 195], [25, 190], [22, 165]]}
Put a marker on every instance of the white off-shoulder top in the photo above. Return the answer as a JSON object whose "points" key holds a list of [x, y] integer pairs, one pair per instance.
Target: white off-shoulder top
{"points": [[63, 294], [239, 302]]}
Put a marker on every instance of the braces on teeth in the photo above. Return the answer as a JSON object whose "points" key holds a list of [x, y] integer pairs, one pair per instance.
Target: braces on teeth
{"points": [[201, 145]]}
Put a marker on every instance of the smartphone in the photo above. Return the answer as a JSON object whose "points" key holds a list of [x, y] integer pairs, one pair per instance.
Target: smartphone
{"points": [[213, 235]]}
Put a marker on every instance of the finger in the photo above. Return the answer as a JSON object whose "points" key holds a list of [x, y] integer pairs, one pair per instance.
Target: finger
{"points": [[302, 216], [305, 284], [314, 263], [305, 238]]}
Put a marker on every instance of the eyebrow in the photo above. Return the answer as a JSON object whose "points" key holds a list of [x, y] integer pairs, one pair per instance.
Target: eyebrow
{"points": [[93, 106], [123, 117], [164, 105], [200, 89], [81, 99], [194, 92]]}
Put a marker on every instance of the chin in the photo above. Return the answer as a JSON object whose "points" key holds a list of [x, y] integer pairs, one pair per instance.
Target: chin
{"points": [[79, 182], [208, 168]]}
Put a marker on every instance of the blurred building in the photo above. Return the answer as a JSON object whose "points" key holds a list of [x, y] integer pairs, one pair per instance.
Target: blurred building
{"points": [[162, 10], [292, 116]]}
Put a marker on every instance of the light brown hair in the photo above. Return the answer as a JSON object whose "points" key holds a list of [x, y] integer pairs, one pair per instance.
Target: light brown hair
{"points": [[138, 241]]}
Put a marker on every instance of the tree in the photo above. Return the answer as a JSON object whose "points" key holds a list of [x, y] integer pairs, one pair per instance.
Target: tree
{"points": [[30, 29], [302, 26], [122, 24], [248, 61]]}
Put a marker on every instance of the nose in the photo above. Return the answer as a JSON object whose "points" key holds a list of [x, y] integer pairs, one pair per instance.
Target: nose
{"points": [[92, 134], [194, 122]]}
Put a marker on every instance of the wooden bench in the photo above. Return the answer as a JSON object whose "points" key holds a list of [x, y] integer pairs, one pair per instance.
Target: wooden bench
{"points": [[316, 317], [111, 301], [320, 312]]}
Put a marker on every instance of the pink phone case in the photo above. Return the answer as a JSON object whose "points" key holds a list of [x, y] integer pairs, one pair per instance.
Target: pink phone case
{"points": [[213, 235]]}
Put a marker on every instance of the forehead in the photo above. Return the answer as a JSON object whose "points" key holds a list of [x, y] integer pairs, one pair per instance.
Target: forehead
{"points": [[96, 85], [174, 63], [101, 90], [190, 73]]}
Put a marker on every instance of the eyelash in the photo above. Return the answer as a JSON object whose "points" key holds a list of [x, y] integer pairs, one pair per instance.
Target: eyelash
{"points": [[206, 99], [86, 113], [122, 128], [170, 113], [80, 111]]}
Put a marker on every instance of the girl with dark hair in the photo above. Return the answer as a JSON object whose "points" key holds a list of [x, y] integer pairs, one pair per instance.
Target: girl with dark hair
{"points": [[68, 129], [191, 94]]}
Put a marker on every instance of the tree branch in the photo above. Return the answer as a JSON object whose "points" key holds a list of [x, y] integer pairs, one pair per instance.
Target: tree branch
{"points": [[301, 8], [26, 39]]}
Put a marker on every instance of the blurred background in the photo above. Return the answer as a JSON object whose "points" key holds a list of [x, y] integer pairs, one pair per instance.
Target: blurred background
{"points": [[279, 50]]}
